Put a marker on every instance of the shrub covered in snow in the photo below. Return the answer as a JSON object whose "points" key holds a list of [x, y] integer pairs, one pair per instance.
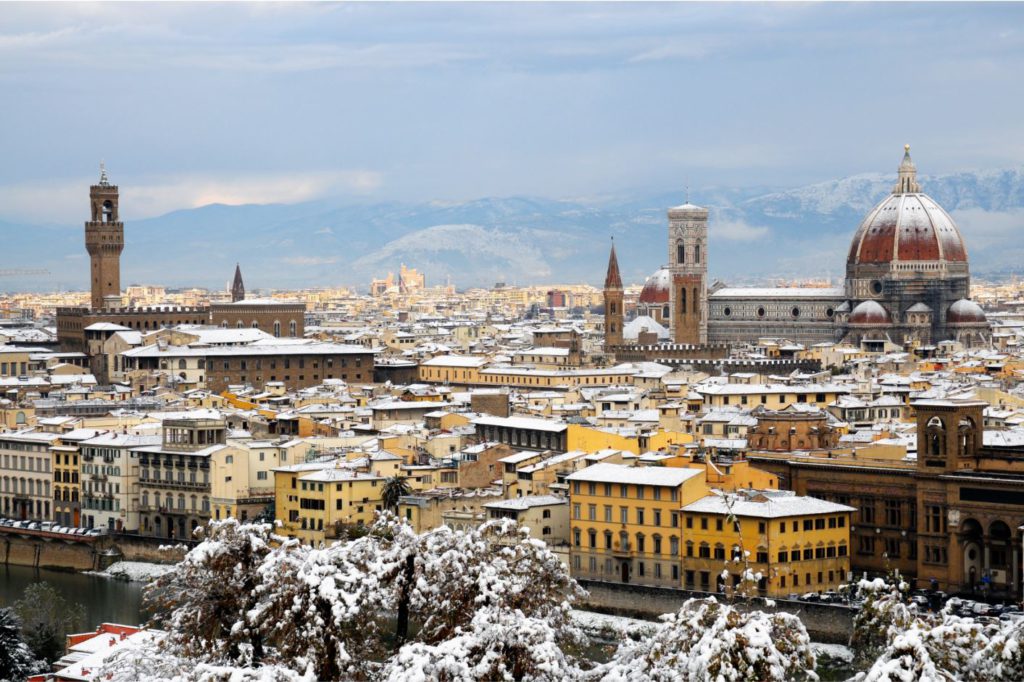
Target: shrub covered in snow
{"points": [[708, 640], [884, 614]]}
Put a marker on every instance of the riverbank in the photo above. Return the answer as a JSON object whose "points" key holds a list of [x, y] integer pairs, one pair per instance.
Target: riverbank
{"points": [[134, 571], [92, 553]]}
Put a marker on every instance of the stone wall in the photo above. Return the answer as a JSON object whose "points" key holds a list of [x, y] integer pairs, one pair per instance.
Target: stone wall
{"points": [[94, 554], [825, 622]]}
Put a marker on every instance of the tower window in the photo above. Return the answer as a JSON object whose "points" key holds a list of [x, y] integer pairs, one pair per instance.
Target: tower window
{"points": [[680, 253], [696, 254], [682, 301], [760, 312], [613, 308], [796, 312], [108, 211]]}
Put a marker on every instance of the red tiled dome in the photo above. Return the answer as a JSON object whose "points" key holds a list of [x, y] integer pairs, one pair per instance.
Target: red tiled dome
{"points": [[656, 289], [870, 313], [907, 225], [965, 312]]}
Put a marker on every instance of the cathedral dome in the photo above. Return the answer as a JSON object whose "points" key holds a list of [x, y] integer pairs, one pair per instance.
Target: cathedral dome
{"points": [[656, 288], [907, 225], [870, 313], [965, 312]]}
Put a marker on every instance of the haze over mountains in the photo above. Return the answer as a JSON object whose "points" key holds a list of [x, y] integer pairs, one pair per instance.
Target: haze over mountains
{"points": [[756, 234]]}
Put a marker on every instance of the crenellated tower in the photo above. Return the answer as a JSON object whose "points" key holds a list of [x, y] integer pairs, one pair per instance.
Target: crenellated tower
{"points": [[104, 240]]}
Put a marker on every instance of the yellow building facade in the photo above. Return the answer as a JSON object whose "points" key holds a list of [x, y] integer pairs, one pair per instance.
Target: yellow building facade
{"points": [[666, 527], [312, 500]]}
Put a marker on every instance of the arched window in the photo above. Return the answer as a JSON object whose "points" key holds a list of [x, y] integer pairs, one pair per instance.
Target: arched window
{"points": [[181, 363], [682, 300], [277, 329], [255, 324], [935, 433], [292, 328], [238, 324], [680, 253], [696, 301], [696, 254]]}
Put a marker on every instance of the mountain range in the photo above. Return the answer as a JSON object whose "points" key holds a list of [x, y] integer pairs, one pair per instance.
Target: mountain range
{"points": [[756, 234]]}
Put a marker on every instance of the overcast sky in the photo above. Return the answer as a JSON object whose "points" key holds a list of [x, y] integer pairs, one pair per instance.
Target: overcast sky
{"points": [[197, 103]]}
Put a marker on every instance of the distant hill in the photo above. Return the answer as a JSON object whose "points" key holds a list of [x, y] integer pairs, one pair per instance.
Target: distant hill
{"points": [[755, 234]]}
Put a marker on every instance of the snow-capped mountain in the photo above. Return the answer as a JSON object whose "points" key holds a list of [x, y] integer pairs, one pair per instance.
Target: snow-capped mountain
{"points": [[755, 233]]}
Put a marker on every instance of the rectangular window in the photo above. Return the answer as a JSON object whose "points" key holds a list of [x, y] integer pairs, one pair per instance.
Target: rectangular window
{"points": [[608, 513], [657, 517], [893, 513]]}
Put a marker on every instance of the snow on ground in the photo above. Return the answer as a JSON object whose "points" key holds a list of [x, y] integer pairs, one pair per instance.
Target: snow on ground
{"points": [[836, 652], [136, 571], [604, 626]]}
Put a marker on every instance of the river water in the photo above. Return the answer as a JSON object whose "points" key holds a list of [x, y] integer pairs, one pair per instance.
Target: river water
{"points": [[105, 600]]}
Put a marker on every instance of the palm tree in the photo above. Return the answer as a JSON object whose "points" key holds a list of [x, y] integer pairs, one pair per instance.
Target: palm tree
{"points": [[394, 488]]}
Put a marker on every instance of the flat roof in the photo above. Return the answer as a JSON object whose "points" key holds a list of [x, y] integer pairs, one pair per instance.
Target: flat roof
{"points": [[620, 473]]}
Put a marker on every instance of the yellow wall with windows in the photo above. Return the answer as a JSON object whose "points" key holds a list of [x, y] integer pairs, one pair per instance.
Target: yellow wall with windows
{"points": [[716, 537], [350, 501]]}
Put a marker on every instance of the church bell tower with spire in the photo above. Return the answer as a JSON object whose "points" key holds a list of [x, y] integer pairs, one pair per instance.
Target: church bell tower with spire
{"points": [[613, 296], [237, 287], [104, 240]]}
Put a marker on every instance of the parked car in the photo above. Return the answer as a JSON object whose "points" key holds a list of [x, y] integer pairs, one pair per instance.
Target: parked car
{"points": [[811, 597], [34, 525], [96, 531], [831, 597], [46, 525]]}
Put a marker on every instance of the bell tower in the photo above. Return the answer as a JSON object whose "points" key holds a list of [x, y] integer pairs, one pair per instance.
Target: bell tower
{"points": [[104, 240], [613, 299], [237, 286], [688, 270]]}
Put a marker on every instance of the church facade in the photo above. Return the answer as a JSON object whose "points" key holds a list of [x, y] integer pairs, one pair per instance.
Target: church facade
{"points": [[907, 281]]}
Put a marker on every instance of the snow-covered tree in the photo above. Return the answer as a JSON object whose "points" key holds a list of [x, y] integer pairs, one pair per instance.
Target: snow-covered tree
{"points": [[708, 640], [235, 600], [498, 566], [884, 614], [1002, 658], [319, 611], [498, 644], [203, 603], [16, 659], [908, 657]]}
